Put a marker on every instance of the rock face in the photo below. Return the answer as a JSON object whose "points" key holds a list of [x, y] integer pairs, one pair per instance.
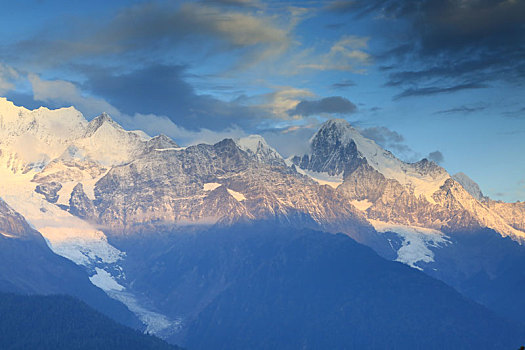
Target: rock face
{"points": [[333, 150], [13, 225], [132, 181], [80, 205], [49, 190], [513, 213], [418, 194], [206, 184]]}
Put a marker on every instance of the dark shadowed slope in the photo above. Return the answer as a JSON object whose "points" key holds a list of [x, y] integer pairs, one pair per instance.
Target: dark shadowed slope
{"points": [[268, 288], [61, 322]]}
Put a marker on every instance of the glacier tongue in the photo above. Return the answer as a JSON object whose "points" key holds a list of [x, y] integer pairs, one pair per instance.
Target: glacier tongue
{"points": [[417, 242], [156, 323]]}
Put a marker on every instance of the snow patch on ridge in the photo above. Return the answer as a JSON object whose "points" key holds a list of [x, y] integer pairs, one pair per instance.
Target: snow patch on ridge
{"points": [[322, 178], [8, 235], [65, 193], [416, 242], [210, 186], [170, 149], [362, 205], [237, 195]]}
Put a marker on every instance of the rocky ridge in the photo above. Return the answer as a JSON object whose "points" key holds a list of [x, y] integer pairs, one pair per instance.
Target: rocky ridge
{"points": [[418, 194]]}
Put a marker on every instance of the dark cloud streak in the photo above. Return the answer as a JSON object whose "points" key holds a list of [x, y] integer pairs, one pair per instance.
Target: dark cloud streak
{"points": [[451, 43], [162, 90], [152, 28], [433, 90], [328, 105], [343, 84], [461, 109], [386, 138], [436, 156]]}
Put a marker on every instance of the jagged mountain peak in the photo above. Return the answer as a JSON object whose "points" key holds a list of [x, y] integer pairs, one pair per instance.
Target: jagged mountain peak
{"points": [[256, 146], [336, 122], [161, 142], [338, 149], [99, 121], [469, 185], [428, 167], [103, 117], [17, 119], [334, 131]]}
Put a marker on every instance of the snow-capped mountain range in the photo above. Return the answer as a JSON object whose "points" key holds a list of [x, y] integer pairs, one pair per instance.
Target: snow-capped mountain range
{"points": [[385, 188], [82, 184]]}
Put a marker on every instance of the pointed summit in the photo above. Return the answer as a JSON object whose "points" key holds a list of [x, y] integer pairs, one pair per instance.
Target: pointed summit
{"points": [[256, 146], [334, 131], [337, 123], [100, 120], [160, 142], [332, 149], [338, 149]]}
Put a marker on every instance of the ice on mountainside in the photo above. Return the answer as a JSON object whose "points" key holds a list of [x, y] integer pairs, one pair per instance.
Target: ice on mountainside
{"points": [[416, 244]]}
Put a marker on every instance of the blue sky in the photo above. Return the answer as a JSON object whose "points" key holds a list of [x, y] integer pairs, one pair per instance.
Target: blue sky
{"points": [[424, 78]]}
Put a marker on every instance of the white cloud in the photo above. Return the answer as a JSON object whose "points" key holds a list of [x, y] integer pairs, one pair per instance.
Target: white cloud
{"points": [[153, 125], [276, 104], [65, 92], [194, 29], [347, 54], [293, 140], [7, 77]]}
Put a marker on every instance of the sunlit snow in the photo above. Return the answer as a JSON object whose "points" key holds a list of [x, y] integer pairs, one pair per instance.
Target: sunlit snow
{"points": [[210, 186], [237, 195], [362, 205], [322, 178]]}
